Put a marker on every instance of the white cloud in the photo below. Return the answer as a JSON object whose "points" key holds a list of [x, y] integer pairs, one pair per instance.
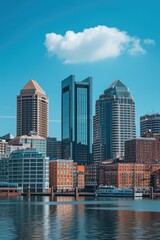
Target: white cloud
{"points": [[92, 44], [136, 47], [149, 42]]}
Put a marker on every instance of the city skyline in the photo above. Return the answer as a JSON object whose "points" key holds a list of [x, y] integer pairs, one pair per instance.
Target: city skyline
{"points": [[31, 48]]}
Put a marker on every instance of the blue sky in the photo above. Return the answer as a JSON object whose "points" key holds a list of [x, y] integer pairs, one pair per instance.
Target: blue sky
{"points": [[107, 39]]}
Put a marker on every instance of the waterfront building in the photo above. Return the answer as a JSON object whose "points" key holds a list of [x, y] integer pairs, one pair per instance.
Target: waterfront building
{"points": [[155, 180], [9, 190], [28, 168], [81, 177], [91, 176], [32, 141], [4, 168], [32, 110], [76, 124], [127, 174], [61, 175], [74, 175], [150, 122], [113, 123], [53, 148]]}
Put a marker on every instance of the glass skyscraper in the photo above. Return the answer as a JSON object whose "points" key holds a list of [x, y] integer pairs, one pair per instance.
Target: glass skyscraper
{"points": [[76, 128], [113, 123]]}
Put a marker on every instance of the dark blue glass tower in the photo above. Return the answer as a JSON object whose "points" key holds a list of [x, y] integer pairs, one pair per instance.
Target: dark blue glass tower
{"points": [[76, 128]]}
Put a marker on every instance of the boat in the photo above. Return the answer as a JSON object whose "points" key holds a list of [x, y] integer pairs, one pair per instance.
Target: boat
{"points": [[112, 191]]}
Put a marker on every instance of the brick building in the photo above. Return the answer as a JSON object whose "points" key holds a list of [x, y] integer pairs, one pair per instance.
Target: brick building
{"points": [[81, 177], [143, 150], [61, 174], [91, 176], [126, 174], [155, 179]]}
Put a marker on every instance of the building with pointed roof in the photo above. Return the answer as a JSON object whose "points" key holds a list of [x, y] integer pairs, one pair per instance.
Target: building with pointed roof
{"points": [[33, 86], [113, 123], [32, 110]]}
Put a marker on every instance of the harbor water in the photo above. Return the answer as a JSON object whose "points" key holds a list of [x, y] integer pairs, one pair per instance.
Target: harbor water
{"points": [[40, 217]]}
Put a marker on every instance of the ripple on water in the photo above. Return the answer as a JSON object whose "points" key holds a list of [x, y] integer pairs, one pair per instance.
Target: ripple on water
{"points": [[86, 218]]}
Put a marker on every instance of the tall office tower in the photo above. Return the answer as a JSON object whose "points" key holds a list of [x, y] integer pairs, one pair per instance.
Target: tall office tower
{"points": [[76, 128], [32, 110], [113, 123], [150, 122]]}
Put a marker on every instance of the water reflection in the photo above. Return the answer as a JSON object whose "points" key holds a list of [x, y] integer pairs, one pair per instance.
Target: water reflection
{"points": [[66, 219], [138, 225], [45, 218]]}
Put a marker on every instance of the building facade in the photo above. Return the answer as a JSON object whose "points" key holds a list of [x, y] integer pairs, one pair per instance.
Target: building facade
{"points": [[91, 176], [127, 174], [81, 177], [32, 110], [32, 142], [61, 175], [155, 180], [76, 124], [53, 148], [113, 123], [28, 168], [3, 145], [143, 150], [150, 122], [12, 148]]}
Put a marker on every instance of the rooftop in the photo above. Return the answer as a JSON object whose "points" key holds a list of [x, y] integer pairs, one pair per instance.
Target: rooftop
{"points": [[33, 85], [117, 83], [35, 137]]}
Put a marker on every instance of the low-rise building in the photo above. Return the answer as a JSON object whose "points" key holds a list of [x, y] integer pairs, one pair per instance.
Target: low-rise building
{"points": [[61, 175], [127, 174], [28, 168], [155, 179], [81, 177], [74, 175], [91, 176]]}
